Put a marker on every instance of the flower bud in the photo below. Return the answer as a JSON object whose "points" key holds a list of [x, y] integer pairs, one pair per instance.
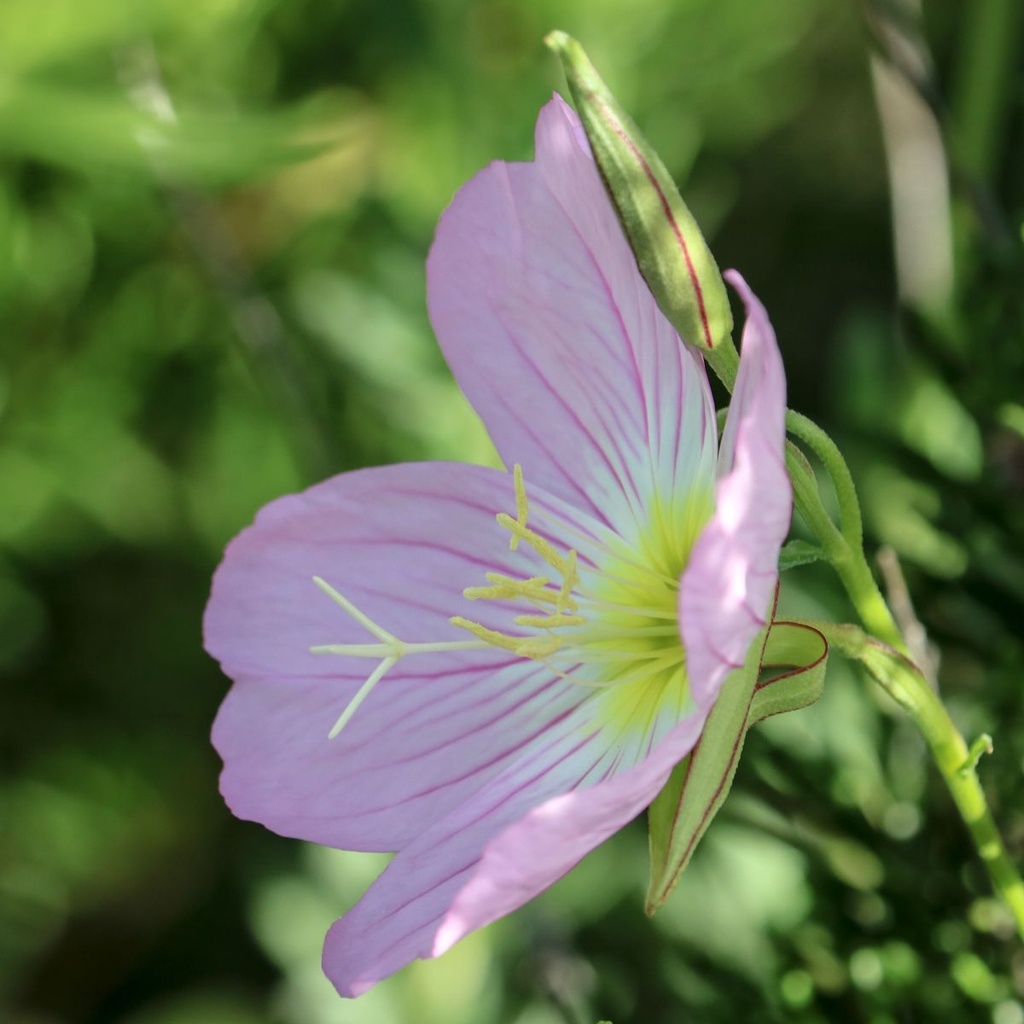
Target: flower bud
{"points": [[669, 247]]}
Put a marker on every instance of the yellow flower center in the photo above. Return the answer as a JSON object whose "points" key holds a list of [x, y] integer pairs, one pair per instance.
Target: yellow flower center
{"points": [[616, 627], [608, 621]]}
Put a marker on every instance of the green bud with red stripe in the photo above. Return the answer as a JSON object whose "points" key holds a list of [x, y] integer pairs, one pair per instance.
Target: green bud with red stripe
{"points": [[669, 247]]}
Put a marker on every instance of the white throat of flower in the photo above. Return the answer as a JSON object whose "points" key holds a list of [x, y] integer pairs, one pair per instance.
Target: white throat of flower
{"points": [[613, 625]]}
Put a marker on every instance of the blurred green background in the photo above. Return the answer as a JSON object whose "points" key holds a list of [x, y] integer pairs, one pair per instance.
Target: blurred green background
{"points": [[213, 223]]}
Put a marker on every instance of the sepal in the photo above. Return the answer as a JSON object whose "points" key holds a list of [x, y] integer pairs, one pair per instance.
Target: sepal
{"points": [[784, 671]]}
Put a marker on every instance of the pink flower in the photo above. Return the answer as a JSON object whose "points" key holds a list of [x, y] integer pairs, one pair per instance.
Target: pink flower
{"points": [[533, 651]]}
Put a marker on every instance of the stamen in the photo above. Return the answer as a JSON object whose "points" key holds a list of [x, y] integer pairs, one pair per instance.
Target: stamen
{"points": [[540, 647], [490, 637], [570, 579], [612, 551], [550, 621], [504, 587], [533, 647], [522, 505], [538, 543]]}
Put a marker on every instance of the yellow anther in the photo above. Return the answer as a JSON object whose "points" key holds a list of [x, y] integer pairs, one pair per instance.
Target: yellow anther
{"points": [[539, 648], [569, 580], [507, 587], [532, 583], [539, 591], [538, 543], [550, 621], [490, 636], [540, 595], [522, 505], [534, 647], [489, 593]]}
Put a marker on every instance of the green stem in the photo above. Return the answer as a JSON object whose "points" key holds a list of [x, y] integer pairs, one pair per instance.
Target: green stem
{"points": [[863, 591], [842, 547], [955, 760], [825, 448], [884, 654]]}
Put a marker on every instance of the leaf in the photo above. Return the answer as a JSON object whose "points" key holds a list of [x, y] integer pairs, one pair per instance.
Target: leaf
{"points": [[799, 552]]}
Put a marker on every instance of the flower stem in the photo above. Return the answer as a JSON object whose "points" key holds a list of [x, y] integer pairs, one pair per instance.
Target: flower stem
{"points": [[863, 591], [957, 762], [843, 546], [884, 652], [850, 521]]}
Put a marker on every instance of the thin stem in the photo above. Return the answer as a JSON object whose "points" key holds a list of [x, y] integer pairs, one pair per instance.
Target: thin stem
{"points": [[863, 591], [903, 681], [850, 521], [842, 547]]}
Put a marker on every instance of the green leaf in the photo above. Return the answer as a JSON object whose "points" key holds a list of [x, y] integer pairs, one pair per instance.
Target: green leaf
{"points": [[799, 552]]}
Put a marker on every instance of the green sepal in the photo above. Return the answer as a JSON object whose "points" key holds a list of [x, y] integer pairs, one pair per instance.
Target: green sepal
{"points": [[795, 658], [682, 811], [794, 654], [669, 247]]}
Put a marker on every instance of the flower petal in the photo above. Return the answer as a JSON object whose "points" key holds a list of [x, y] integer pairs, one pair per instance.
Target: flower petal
{"points": [[729, 581], [401, 543], [518, 836], [556, 340]]}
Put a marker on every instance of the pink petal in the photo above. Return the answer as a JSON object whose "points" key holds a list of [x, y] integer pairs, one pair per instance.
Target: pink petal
{"points": [[401, 542], [496, 852], [728, 584], [556, 340]]}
